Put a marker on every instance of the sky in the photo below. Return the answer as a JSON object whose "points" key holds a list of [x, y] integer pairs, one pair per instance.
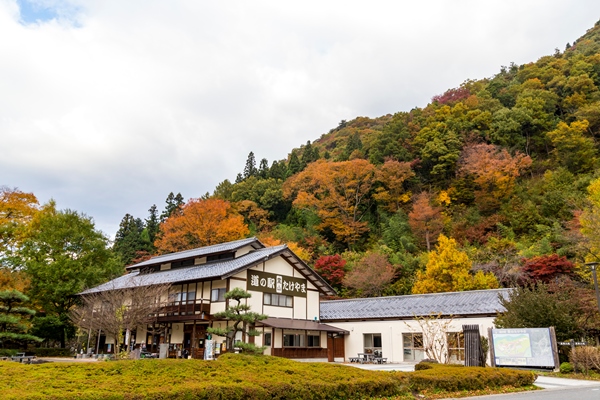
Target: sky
{"points": [[108, 106]]}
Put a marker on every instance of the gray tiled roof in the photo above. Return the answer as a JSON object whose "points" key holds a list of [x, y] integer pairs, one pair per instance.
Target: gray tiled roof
{"points": [[199, 252], [218, 270], [476, 302]]}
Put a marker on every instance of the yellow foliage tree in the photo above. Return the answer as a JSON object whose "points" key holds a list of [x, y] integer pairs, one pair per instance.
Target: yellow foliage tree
{"points": [[590, 222], [449, 270]]}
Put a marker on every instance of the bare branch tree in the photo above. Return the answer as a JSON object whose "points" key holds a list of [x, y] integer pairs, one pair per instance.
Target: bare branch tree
{"points": [[121, 309], [435, 342]]}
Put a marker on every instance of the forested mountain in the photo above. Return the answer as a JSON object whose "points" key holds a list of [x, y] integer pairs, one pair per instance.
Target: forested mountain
{"points": [[491, 177], [492, 183]]}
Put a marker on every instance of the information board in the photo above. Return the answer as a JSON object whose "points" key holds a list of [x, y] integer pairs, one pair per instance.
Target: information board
{"points": [[527, 347]]}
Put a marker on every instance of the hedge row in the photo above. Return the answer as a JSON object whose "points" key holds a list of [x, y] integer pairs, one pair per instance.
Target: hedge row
{"points": [[53, 352], [233, 377], [454, 378]]}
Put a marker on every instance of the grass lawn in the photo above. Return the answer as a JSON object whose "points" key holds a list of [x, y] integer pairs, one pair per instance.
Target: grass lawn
{"points": [[235, 376]]}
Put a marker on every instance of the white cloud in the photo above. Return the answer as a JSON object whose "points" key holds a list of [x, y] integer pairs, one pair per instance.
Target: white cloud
{"points": [[113, 105]]}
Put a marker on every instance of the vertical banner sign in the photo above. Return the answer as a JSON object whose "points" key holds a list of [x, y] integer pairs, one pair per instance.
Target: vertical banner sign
{"points": [[278, 284], [208, 350]]}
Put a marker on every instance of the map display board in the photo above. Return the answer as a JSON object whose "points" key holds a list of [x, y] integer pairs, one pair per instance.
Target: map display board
{"points": [[527, 347]]}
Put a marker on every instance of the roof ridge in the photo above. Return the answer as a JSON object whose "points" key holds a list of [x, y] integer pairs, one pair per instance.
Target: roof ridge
{"points": [[381, 298]]}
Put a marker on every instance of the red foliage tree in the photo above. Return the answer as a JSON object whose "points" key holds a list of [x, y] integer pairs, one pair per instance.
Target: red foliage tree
{"points": [[332, 268], [547, 268]]}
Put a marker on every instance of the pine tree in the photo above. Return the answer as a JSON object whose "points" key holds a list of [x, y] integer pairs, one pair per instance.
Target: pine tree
{"points": [[250, 168], [294, 165], [278, 170], [152, 223], [128, 239], [263, 169], [174, 202], [12, 318]]}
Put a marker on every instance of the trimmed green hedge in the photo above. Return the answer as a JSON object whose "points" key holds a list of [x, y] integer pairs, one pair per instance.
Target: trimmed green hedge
{"points": [[232, 376], [453, 378], [53, 352]]}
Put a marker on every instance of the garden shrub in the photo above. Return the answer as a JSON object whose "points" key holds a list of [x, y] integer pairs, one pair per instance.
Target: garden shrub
{"points": [[585, 358], [235, 376], [53, 352], [566, 368], [8, 352], [449, 378]]}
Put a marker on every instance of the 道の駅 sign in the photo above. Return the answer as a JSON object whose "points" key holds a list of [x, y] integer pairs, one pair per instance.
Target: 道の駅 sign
{"points": [[273, 283]]}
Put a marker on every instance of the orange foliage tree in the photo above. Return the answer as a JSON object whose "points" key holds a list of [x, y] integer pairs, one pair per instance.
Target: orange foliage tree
{"points": [[392, 175], [339, 192], [494, 171], [200, 223], [424, 219], [298, 250]]}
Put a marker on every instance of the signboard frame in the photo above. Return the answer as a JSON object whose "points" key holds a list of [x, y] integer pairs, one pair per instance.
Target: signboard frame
{"points": [[534, 348]]}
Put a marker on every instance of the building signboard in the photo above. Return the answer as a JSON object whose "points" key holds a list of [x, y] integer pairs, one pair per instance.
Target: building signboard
{"points": [[274, 283], [527, 347]]}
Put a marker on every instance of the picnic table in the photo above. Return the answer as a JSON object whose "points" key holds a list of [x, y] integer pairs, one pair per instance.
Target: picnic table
{"points": [[22, 358], [369, 358]]}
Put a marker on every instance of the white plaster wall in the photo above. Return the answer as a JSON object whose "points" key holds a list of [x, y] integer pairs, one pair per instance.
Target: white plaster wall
{"points": [[279, 266], [391, 333], [177, 333], [279, 312], [243, 250], [300, 307], [314, 304]]}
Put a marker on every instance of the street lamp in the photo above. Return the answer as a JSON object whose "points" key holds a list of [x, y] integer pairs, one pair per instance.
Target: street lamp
{"points": [[593, 266]]}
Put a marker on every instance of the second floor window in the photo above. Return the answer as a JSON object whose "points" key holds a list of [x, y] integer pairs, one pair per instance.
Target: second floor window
{"points": [[217, 295], [279, 300]]}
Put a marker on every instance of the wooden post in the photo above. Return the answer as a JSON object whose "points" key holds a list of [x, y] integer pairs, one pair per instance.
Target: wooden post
{"points": [[472, 339], [492, 351], [554, 349]]}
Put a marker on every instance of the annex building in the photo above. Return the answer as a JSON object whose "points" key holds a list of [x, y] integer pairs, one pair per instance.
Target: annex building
{"points": [[300, 323]]}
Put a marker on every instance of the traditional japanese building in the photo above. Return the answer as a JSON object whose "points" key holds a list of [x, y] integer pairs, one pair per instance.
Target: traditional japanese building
{"points": [[281, 284], [401, 327]]}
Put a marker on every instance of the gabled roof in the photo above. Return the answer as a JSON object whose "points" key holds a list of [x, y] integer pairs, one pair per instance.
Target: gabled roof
{"points": [[200, 252], [470, 303], [215, 270]]}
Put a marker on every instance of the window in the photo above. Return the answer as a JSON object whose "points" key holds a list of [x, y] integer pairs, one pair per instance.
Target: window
{"points": [[267, 339], [372, 342], [182, 263], [314, 340], [217, 257], [413, 346], [293, 340], [456, 346], [279, 300], [184, 297], [217, 295]]}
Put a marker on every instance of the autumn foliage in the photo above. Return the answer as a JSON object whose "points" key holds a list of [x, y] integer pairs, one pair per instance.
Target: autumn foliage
{"points": [[332, 268], [449, 270], [339, 192], [546, 268], [200, 223]]}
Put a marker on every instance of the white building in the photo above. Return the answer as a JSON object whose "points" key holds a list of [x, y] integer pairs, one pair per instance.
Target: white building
{"points": [[390, 325]]}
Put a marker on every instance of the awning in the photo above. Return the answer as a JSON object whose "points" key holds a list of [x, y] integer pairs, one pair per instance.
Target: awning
{"points": [[301, 324]]}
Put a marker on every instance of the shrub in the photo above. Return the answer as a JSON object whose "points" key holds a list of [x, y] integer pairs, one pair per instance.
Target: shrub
{"points": [[53, 352], [566, 368], [450, 378], [585, 358], [8, 352]]}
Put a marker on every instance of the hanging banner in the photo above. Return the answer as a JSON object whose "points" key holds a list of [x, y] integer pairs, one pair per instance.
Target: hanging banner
{"points": [[278, 284], [208, 350]]}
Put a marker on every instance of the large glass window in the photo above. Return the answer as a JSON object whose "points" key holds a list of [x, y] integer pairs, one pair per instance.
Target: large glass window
{"points": [[294, 340], [217, 295], [456, 346], [314, 340], [279, 300], [412, 344], [372, 342]]}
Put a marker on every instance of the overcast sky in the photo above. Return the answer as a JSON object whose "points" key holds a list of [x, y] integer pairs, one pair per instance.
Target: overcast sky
{"points": [[107, 106]]}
